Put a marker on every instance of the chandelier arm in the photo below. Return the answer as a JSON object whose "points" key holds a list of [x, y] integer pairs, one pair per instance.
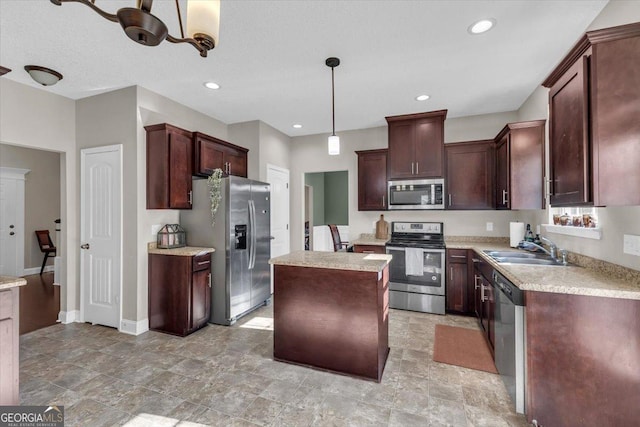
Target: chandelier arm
{"points": [[145, 5], [193, 42], [109, 16], [179, 19]]}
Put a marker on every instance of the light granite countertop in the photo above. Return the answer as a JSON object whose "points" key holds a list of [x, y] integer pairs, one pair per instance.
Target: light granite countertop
{"points": [[152, 248], [334, 260], [8, 282], [370, 239], [593, 278]]}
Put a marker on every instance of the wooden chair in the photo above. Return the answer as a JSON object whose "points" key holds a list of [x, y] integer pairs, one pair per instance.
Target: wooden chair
{"points": [[338, 244], [46, 246]]}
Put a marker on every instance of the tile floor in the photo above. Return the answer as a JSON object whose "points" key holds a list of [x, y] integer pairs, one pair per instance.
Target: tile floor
{"points": [[225, 376]]}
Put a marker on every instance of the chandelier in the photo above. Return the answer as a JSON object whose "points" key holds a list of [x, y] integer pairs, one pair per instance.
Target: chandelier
{"points": [[203, 23]]}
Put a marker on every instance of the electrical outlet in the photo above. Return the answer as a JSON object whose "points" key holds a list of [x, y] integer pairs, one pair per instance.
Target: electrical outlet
{"points": [[631, 244], [489, 226]]}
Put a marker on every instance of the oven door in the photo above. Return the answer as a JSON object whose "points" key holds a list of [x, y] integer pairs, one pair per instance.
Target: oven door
{"points": [[430, 282]]}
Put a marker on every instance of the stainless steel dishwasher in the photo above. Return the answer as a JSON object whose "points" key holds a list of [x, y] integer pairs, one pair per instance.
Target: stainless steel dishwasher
{"points": [[510, 338]]}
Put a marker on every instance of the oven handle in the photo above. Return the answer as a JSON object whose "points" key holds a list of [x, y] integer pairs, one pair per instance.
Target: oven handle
{"points": [[401, 249]]}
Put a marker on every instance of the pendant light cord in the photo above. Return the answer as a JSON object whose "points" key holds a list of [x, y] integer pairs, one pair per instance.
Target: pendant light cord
{"points": [[333, 103]]}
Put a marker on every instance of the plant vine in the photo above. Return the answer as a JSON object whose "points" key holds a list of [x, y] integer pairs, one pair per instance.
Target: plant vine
{"points": [[214, 182]]}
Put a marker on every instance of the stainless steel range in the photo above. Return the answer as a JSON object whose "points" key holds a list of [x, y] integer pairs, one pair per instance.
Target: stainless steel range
{"points": [[417, 270]]}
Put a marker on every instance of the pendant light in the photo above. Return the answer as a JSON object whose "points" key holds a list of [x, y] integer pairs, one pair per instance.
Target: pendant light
{"points": [[334, 140]]}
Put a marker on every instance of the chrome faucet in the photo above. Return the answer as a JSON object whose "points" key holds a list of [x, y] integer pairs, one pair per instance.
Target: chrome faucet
{"points": [[552, 252]]}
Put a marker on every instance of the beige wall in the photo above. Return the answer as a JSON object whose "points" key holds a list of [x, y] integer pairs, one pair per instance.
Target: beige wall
{"points": [[615, 221], [36, 118], [471, 128], [42, 195]]}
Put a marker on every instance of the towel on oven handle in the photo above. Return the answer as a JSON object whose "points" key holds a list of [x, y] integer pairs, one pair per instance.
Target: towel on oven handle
{"points": [[413, 262]]}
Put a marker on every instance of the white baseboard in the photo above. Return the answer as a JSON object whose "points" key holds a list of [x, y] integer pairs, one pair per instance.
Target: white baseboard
{"points": [[36, 270], [133, 327], [66, 317]]}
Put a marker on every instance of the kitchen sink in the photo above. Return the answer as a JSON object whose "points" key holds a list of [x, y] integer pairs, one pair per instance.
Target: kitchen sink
{"points": [[522, 258]]}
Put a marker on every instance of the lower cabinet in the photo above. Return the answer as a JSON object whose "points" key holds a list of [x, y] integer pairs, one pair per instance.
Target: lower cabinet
{"points": [[9, 345], [179, 293], [484, 298], [459, 299], [369, 249]]}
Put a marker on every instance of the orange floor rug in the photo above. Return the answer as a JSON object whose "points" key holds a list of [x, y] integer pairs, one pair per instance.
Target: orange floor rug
{"points": [[462, 347]]}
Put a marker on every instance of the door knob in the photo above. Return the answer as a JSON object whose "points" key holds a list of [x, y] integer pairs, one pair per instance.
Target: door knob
{"points": [[11, 226], [12, 233], [85, 246]]}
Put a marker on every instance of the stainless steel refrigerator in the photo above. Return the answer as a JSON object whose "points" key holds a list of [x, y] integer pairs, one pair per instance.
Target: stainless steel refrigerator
{"points": [[241, 277]]}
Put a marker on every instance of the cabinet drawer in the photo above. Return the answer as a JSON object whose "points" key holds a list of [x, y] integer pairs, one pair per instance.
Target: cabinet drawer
{"points": [[457, 255], [369, 249], [202, 262]]}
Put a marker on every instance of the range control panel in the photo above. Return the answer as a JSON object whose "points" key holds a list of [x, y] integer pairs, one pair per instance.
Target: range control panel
{"points": [[417, 227]]}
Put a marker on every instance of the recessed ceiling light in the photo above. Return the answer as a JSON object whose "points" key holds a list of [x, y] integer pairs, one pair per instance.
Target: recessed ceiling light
{"points": [[422, 97], [481, 26], [212, 85], [297, 126]]}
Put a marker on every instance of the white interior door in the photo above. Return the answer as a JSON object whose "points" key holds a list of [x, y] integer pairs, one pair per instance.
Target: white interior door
{"points": [[101, 235], [279, 180], [12, 221]]}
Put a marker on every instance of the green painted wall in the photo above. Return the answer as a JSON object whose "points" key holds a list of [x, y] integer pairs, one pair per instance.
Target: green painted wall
{"points": [[336, 198], [330, 197]]}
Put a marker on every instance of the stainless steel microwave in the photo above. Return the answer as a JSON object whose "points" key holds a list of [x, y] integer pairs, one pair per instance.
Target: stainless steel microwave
{"points": [[416, 194]]}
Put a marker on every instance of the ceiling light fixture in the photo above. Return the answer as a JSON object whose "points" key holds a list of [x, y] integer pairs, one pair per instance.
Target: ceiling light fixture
{"points": [[203, 23], [481, 26], [44, 76], [422, 97], [212, 85], [297, 126], [334, 141]]}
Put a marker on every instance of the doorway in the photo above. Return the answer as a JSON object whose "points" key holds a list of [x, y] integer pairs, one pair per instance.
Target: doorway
{"points": [[12, 189], [280, 233], [326, 202]]}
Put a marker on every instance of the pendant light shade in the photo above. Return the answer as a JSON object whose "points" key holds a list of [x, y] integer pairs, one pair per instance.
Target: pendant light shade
{"points": [[334, 141], [203, 21], [44, 76]]}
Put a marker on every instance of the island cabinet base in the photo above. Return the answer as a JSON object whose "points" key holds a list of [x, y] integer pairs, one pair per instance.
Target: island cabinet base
{"points": [[583, 357], [336, 320]]}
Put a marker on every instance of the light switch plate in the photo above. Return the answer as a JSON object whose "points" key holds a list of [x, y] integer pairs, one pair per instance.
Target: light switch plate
{"points": [[631, 244], [489, 226]]}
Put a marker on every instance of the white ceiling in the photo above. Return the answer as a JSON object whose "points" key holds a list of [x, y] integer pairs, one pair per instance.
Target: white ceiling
{"points": [[270, 59]]}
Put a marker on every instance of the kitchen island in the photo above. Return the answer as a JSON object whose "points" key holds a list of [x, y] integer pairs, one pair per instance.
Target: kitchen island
{"points": [[331, 311], [9, 339]]}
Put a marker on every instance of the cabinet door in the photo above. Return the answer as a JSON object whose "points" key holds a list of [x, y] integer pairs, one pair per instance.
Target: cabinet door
{"points": [[200, 298], [180, 171], [526, 166], [372, 180], [457, 287], [469, 175], [502, 173], [616, 122], [209, 155], [569, 136], [429, 148], [401, 150], [236, 162]]}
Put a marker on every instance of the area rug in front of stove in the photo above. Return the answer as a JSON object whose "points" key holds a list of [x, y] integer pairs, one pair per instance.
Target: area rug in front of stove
{"points": [[462, 347]]}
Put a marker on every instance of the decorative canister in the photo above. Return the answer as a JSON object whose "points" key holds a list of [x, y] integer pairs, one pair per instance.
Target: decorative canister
{"points": [[171, 236]]}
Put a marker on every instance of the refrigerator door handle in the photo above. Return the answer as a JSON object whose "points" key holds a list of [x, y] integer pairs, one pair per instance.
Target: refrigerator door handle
{"points": [[252, 234]]}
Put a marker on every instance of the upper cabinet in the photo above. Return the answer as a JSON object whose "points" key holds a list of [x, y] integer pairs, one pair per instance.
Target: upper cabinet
{"points": [[416, 145], [212, 153], [594, 105], [169, 167], [372, 180], [470, 175], [520, 166]]}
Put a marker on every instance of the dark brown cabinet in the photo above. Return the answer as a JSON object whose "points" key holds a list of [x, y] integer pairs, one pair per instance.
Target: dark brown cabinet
{"points": [[372, 180], [416, 145], [179, 292], [470, 175], [457, 289], [593, 120], [484, 298], [520, 166], [169, 167], [369, 249], [212, 153]]}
